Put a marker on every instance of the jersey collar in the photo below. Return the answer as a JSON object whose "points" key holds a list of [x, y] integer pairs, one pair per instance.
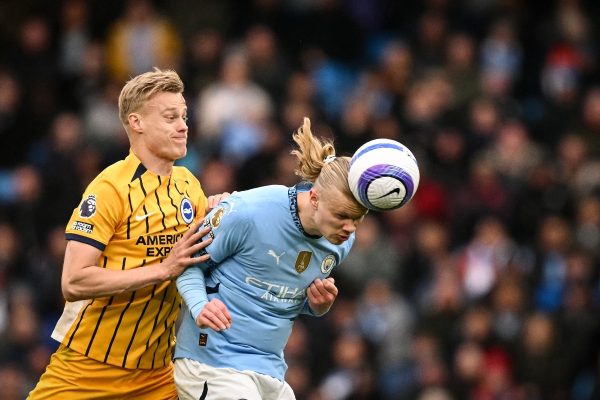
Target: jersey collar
{"points": [[293, 196]]}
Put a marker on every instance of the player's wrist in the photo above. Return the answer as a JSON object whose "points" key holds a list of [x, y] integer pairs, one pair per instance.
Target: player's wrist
{"points": [[196, 310], [165, 271]]}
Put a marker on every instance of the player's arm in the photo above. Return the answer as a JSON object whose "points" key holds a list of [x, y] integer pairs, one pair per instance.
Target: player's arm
{"points": [[229, 230], [82, 278], [207, 314], [320, 296]]}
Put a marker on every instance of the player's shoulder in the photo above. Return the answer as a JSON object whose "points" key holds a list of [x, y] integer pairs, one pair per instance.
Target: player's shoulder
{"points": [[272, 191], [119, 175], [123, 171], [264, 195], [253, 203], [111, 176]]}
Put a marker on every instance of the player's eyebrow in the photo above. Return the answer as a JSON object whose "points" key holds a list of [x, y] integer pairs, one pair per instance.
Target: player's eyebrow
{"points": [[162, 108], [171, 109], [346, 215]]}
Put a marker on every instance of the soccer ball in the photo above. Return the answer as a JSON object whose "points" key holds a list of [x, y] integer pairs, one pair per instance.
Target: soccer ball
{"points": [[383, 175]]}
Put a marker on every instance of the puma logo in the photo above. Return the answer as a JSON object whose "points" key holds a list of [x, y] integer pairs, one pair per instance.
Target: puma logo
{"points": [[277, 257], [144, 216], [396, 190]]}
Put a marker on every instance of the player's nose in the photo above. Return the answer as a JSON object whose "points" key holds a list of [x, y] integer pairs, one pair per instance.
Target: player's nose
{"points": [[350, 226], [182, 125]]}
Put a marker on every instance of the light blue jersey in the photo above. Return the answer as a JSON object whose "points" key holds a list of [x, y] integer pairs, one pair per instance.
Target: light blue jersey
{"points": [[261, 263]]}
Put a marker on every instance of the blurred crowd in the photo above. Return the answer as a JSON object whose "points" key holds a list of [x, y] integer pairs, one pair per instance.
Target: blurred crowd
{"points": [[485, 286]]}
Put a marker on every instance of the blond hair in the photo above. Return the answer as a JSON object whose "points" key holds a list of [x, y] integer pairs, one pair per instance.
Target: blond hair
{"points": [[142, 87], [317, 162]]}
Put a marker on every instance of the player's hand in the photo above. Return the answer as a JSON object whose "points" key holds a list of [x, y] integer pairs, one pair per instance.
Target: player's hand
{"points": [[216, 199], [321, 295], [215, 316], [182, 253]]}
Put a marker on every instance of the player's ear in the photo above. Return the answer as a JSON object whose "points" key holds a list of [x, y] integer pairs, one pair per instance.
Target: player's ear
{"points": [[135, 122], [314, 198]]}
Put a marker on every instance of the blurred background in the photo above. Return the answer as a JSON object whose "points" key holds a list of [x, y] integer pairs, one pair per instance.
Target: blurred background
{"points": [[485, 286]]}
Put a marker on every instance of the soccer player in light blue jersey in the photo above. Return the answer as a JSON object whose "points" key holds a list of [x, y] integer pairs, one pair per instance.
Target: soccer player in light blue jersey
{"points": [[273, 250]]}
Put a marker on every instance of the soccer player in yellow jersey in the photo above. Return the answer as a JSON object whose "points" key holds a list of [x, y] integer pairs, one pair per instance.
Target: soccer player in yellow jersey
{"points": [[132, 234]]}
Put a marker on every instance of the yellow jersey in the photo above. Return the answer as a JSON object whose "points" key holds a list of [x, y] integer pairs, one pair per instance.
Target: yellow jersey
{"points": [[134, 217]]}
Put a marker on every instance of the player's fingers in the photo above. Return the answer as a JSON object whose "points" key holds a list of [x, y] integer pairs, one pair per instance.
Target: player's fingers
{"points": [[314, 292], [199, 234], [324, 290], [223, 308], [215, 317], [220, 311], [190, 239], [332, 291], [221, 320], [199, 259], [318, 286], [193, 228], [223, 196], [200, 245], [329, 286], [204, 322], [209, 324], [213, 201], [224, 320], [195, 247]]}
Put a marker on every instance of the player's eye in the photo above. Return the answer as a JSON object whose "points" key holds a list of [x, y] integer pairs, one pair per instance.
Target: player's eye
{"points": [[172, 118]]}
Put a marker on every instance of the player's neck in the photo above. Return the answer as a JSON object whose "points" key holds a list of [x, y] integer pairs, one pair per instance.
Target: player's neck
{"points": [[154, 164], [306, 214]]}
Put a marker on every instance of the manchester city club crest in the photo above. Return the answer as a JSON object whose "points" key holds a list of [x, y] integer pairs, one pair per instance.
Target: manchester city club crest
{"points": [[87, 209], [327, 264]]}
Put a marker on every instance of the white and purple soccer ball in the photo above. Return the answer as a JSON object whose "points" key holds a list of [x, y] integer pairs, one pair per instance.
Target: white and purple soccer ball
{"points": [[384, 175]]}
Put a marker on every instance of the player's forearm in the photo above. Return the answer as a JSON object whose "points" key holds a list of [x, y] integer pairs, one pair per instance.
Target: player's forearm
{"points": [[93, 281], [192, 288]]}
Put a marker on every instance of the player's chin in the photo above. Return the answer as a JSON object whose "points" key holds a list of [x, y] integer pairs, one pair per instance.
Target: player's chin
{"points": [[179, 151]]}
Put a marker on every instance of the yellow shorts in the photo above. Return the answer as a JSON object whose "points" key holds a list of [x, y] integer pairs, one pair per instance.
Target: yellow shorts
{"points": [[72, 376]]}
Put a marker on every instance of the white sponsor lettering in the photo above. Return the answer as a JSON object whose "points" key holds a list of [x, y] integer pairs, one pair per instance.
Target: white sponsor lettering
{"points": [[277, 291]]}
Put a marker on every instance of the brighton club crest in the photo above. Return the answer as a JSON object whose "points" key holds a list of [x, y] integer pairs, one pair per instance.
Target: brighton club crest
{"points": [[187, 211]]}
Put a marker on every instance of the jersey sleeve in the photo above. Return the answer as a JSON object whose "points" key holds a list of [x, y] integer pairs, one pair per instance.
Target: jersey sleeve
{"points": [[192, 288], [95, 220], [230, 226], [306, 310]]}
